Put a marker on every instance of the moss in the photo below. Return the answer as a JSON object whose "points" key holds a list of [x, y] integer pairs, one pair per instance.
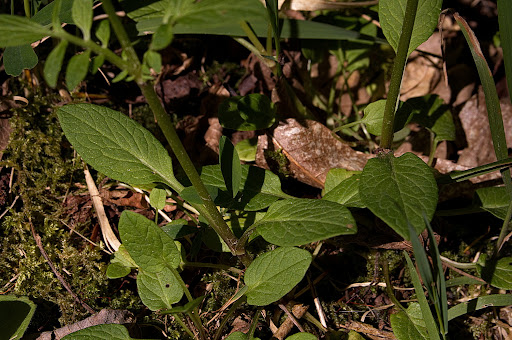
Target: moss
{"points": [[43, 171]]}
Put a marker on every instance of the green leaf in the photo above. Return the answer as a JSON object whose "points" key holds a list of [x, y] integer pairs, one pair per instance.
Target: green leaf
{"points": [[162, 37], [153, 60], [45, 14], [247, 113], [103, 32], [77, 69], [335, 176], [494, 200], [110, 331], [259, 188], [157, 198], [409, 325], [53, 63], [117, 146], [497, 273], [158, 290], [271, 275], [431, 112], [148, 245], [237, 336], [302, 336], [17, 30], [15, 315], [296, 221], [399, 190], [246, 149], [391, 17], [495, 300], [504, 8], [121, 265], [492, 101], [179, 228], [428, 318], [97, 63], [82, 16], [374, 114], [189, 306], [18, 58], [230, 166], [346, 193]]}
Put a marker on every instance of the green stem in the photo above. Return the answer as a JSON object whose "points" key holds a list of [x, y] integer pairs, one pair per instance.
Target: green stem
{"points": [[504, 231], [197, 321], [254, 323], [26, 5], [133, 67], [182, 324], [389, 286], [458, 264], [397, 74], [208, 209], [252, 37]]}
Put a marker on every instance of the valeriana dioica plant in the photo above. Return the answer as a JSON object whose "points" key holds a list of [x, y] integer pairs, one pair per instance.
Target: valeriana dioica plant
{"points": [[400, 191]]}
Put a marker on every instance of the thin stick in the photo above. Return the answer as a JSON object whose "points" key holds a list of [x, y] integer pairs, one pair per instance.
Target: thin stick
{"points": [[290, 315], [10, 207], [109, 237], [85, 238], [37, 238]]}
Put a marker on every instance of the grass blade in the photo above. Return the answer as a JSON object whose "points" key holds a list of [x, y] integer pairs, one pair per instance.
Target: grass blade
{"points": [[504, 10]]}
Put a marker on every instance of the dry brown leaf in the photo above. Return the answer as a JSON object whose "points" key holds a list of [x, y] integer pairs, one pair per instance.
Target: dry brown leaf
{"points": [[473, 117], [317, 5], [311, 149]]}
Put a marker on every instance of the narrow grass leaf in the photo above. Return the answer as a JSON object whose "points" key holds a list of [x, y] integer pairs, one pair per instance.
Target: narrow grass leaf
{"points": [[188, 307], [148, 245], [432, 329], [492, 101], [273, 274], [296, 221], [422, 261], [116, 145], [53, 64], [17, 30], [494, 300], [101, 332], [409, 325], [158, 290], [18, 58], [82, 16], [504, 10], [391, 17], [77, 69], [399, 190], [230, 166], [15, 315]]}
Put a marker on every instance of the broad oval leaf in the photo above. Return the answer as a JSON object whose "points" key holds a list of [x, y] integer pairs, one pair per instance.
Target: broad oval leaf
{"points": [[18, 58], [81, 12], [494, 200], [110, 331], [158, 290], [297, 221], [271, 275], [230, 166], [53, 63], [17, 30], [157, 198], [391, 17], [302, 336], [15, 315], [148, 245], [497, 273], [238, 336], [77, 69], [116, 145], [409, 325], [259, 188], [247, 113], [103, 32], [346, 193], [398, 190]]}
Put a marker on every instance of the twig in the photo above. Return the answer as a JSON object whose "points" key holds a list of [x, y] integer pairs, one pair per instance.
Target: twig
{"points": [[109, 237], [318, 305], [298, 311], [37, 238], [10, 207], [85, 238]]}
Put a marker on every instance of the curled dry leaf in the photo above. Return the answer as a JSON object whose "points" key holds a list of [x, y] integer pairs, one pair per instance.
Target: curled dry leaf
{"points": [[311, 150]]}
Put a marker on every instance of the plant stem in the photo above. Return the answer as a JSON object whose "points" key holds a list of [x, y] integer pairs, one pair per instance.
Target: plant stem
{"points": [[225, 319], [182, 324], [397, 74], [197, 321], [458, 264]]}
